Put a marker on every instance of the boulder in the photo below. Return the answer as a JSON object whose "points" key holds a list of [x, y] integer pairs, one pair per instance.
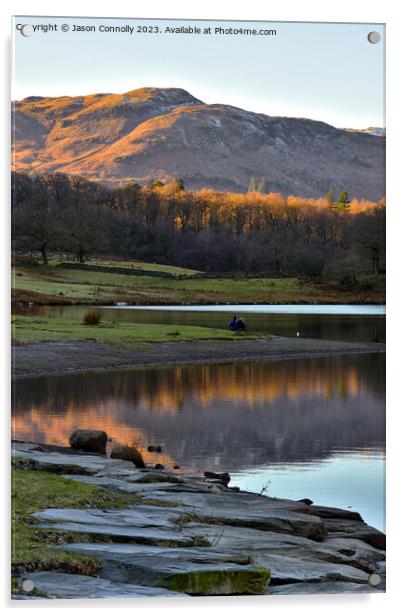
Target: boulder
{"points": [[93, 441], [223, 478], [130, 454]]}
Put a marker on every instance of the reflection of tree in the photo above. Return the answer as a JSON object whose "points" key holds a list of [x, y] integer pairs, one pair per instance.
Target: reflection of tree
{"points": [[246, 413]]}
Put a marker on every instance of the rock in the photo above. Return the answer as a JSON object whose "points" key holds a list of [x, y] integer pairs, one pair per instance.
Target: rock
{"points": [[68, 586], [294, 567], [151, 477], [334, 513], [61, 463], [196, 571], [93, 441], [320, 589], [176, 466], [222, 477], [347, 552], [206, 538], [354, 529], [250, 510], [136, 517], [130, 454], [224, 580], [291, 559], [129, 487], [140, 564], [307, 501], [143, 523], [154, 448], [159, 467]]}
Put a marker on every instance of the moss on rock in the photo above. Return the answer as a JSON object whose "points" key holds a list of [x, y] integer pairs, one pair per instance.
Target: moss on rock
{"points": [[240, 581]]}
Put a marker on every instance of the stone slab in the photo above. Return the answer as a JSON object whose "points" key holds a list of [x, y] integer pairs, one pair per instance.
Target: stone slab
{"points": [[69, 586]]}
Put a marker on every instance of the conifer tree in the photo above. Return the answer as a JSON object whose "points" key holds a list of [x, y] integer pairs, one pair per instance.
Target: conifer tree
{"points": [[343, 202], [261, 185], [330, 197], [252, 185]]}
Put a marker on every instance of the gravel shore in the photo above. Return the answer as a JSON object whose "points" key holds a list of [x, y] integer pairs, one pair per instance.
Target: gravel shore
{"points": [[69, 357]]}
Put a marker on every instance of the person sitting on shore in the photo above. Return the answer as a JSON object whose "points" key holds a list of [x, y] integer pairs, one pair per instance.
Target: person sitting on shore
{"points": [[241, 325], [232, 325], [236, 325]]}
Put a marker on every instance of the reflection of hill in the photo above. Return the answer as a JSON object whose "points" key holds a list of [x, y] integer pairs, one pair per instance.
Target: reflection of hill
{"points": [[236, 415]]}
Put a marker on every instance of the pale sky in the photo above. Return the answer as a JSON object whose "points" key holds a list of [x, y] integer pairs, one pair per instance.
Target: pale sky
{"points": [[327, 72]]}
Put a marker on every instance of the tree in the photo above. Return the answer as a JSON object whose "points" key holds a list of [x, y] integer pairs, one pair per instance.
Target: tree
{"points": [[368, 237], [343, 202], [261, 185], [330, 198], [36, 221], [205, 230], [85, 222], [252, 185], [155, 183], [179, 185]]}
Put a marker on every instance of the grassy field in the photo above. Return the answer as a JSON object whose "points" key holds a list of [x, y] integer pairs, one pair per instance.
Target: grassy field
{"points": [[36, 490], [147, 267], [58, 285], [28, 329]]}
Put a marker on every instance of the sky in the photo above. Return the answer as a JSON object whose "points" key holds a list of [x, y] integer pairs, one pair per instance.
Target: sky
{"points": [[323, 71]]}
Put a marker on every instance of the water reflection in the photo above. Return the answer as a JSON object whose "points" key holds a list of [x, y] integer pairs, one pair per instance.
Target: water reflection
{"points": [[232, 417]]}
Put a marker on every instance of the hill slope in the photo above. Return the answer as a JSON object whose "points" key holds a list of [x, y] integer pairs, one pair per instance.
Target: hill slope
{"points": [[167, 133]]}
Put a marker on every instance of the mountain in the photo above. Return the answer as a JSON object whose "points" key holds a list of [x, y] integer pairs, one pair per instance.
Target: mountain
{"points": [[377, 131], [167, 133]]}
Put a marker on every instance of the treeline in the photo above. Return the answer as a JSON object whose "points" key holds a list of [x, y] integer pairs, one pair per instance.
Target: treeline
{"points": [[205, 230]]}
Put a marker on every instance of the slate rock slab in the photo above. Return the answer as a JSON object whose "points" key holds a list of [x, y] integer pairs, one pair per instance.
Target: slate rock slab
{"points": [[144, 562], [355, 530], [137, 516], [325, 588], [240, 509], [297, 568], [339, 551], [120, 485], [142, 523], [68, 586], [195, 571], [65, 463]]}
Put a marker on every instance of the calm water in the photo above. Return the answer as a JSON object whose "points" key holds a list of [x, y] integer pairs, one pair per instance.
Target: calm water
{"points": [[351, 323], [299, 428]]}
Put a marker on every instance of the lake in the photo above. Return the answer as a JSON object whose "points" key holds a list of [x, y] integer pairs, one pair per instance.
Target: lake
{"points": [[351, 323], [306, 428]]}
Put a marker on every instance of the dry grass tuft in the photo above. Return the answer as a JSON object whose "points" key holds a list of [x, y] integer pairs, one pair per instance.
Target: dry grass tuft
{"points": [[92, 317]]}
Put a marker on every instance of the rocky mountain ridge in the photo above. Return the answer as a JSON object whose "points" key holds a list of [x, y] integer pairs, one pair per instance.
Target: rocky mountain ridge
{"points": [[167, 133]]}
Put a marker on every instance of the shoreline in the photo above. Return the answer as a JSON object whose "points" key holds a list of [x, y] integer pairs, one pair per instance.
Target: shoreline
{"points": [[155, 303], [189, 535], [67, 357]]}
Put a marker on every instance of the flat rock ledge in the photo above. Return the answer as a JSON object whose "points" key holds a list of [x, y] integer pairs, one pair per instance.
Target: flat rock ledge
{"points": [[192, 536]]}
